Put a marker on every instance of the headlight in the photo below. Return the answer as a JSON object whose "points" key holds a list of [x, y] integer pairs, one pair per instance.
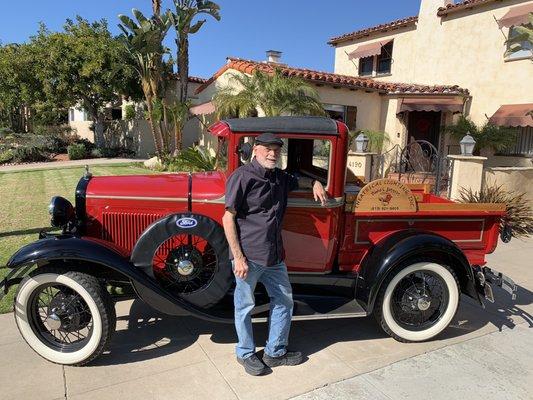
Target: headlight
{"points": [[61, 211]]}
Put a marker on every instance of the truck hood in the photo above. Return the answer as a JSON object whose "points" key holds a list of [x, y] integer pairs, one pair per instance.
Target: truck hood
{"points": [[205, 185]]}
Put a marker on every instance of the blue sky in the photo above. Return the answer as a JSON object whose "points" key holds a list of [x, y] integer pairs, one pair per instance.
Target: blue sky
{"points": [[298, 28]]}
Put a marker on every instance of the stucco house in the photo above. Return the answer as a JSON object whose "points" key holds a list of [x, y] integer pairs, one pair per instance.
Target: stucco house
{"points": [[451, 43]]}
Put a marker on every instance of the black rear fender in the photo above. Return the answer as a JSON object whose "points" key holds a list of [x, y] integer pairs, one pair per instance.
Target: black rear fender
{"points": [[399, 248], [69, 248]]}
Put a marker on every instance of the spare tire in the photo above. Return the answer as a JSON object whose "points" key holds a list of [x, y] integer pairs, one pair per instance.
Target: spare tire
{"points": [[188, 255]]}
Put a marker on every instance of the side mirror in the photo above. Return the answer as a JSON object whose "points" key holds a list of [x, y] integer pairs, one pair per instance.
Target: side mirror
{"points": [[245, 152]]}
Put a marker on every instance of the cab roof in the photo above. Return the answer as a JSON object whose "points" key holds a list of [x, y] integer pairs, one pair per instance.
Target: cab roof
{"points": [[304, 125]]}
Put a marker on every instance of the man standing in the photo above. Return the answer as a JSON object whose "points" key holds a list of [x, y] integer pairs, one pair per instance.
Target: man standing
{"points": [[256, 199]]}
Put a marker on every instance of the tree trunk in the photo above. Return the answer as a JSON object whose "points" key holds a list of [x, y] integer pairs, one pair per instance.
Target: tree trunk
{"points": [[98, 124], [156, 7], [183, 66], [156, 134], [177, 137]]}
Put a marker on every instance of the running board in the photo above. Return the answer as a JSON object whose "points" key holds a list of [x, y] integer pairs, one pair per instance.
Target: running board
{"points": [[314, 308]]}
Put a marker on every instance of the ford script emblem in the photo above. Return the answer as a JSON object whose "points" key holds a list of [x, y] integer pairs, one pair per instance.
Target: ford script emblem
{"points": [[186, 222]]}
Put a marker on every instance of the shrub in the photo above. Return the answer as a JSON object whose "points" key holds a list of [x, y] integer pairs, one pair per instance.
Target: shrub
{"points": [[519, 215], [129, 112], [6, 156], [77, 151], [89, 146], [96, 153], [192, 159], [29, 153]]}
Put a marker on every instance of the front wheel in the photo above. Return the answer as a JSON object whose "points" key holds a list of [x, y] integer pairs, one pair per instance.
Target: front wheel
{"points": [[417, 302], [66, 317]]}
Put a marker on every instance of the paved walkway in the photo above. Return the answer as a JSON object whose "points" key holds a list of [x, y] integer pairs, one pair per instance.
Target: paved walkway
{"points": [[484, 354], [67, 164]]}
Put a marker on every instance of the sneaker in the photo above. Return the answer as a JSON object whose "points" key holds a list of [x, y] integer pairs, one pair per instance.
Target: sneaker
{"points": [[289, 358], [252, 365]]}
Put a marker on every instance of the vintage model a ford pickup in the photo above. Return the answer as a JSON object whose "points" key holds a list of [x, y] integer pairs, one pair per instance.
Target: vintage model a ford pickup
{"points": [[384, 248]]}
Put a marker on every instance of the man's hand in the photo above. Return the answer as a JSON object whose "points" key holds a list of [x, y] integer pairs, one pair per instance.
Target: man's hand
{"points": [[240, 267], [319, 193]]}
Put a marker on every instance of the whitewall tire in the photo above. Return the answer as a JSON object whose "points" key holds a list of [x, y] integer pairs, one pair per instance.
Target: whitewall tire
{"points": [[66, 317], [417, 302]]}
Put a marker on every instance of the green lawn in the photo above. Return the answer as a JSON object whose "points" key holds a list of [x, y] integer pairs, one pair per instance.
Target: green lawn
{"points": [[24, 198]]}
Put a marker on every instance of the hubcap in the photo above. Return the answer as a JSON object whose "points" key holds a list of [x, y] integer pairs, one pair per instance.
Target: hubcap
{"points": [[423, 304], [185, 267], [53, 321]]}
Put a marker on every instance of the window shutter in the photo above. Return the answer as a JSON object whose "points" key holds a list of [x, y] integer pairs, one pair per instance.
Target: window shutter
{"points": [[351, 117]]}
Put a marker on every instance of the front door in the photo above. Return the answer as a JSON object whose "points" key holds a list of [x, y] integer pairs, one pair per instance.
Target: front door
{"points": [[424, 125]]}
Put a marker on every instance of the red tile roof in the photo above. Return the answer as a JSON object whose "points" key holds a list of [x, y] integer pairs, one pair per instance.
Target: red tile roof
{"points": [[463, 5], [399, 23], [331, 79], [192, 79]]}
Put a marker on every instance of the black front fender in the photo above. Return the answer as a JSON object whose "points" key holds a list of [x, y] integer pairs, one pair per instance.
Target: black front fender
{"points": [[410, 244], [69, 247]]}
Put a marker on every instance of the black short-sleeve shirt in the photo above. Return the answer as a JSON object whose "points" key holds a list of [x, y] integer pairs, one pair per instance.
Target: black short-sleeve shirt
{"points": [[259, 198]]}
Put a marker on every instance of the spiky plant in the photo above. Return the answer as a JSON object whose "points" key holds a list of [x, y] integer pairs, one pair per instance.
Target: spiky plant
{"points": [[192, 159], [519, 215], [275, 94]]}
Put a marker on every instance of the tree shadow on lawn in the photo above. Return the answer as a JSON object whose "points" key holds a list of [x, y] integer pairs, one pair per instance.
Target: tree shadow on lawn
{"points": [[150, 334], [26, 232]]}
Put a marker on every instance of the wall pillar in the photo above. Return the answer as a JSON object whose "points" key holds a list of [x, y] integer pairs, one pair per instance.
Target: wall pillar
{"points": [[360, 164], [466, 173]]}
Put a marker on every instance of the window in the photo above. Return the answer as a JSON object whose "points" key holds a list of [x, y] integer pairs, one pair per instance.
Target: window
{"points": [[385, 59], [523, 145], [307, 158], [379, 64], [366, 66], [346, 114], [71, 114], [526, 47]]}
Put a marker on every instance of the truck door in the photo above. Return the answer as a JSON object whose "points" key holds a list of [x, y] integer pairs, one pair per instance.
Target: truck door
{"points": [[310, 229]]}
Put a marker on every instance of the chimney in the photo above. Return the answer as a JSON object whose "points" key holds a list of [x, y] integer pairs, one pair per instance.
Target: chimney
{"points": [[273, 56]]}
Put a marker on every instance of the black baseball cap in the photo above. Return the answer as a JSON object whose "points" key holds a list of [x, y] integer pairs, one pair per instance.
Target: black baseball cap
{"points": [[268, 138]]}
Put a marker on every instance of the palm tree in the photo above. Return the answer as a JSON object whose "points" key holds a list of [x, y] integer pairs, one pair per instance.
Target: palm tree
{"points": [[524, 34], [143, 39], [186, 11], [495, 137], [275, 94], [156, 7]]}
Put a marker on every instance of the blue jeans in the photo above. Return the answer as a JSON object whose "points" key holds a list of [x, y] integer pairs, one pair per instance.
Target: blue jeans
{"points": [[276, 281]]}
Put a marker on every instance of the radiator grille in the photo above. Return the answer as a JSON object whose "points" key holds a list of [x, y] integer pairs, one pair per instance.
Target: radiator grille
{"points": [[124, 229]]}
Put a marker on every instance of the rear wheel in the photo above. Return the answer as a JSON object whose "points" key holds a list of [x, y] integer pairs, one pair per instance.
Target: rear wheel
{"points": [[418, 301], [66, 317]]}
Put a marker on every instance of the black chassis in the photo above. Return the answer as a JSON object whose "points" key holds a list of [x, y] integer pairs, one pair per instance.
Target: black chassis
{"points": [[102, 261]]}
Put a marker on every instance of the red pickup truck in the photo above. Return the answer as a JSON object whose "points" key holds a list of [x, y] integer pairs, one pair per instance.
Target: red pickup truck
{"points": [[383, 248]]}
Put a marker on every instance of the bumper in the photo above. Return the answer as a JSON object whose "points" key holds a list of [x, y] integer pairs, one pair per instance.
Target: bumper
{"points": [[487, 278]]}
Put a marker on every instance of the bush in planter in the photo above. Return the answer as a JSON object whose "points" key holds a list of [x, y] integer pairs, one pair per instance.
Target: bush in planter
{"points": [[77, 151]]}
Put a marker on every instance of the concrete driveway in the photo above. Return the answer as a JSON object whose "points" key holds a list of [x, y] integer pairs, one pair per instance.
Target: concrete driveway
{"points": [[154, 356]]}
